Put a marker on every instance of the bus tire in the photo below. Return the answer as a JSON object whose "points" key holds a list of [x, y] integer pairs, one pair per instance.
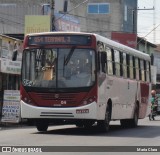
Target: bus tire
{"points": [[103, 125], [134, 122], [42, 126], [125, 123]]}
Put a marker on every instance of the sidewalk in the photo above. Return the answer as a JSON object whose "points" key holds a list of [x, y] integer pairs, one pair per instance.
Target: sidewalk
{"points": [[12, 125]]}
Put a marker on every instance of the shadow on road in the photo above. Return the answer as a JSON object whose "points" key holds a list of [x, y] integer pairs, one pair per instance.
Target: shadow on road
{"points": [[141, 131]]}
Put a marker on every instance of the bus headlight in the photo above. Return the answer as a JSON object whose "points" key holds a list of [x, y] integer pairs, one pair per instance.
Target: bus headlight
{"points": [[26, 100], [88, 100], [25, 97], [84, 102]]}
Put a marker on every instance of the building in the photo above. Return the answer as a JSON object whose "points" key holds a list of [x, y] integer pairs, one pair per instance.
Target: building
{"points": [[10, 65], [102, 17], [145, 46], [13, 13], [156, 62], [105, 16]]}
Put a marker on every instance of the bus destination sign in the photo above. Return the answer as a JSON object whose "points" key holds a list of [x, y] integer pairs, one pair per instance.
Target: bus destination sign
{"points": [[65, 40]]}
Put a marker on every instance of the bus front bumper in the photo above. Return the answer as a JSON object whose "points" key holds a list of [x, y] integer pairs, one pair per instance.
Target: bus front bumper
{"points": [[84, 112]]}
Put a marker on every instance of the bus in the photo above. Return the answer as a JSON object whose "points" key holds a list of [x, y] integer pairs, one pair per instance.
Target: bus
{"points": [[83, 78]]}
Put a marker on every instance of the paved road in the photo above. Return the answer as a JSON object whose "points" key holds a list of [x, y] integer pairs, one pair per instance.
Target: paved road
{"points": [[146, 134]]}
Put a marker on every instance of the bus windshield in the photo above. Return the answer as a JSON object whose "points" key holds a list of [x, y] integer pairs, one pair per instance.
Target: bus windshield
{"points": [[58, 67]]}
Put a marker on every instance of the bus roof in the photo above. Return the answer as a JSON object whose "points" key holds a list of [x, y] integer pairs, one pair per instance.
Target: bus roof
{"points": [[105, 40], [123, 48]]}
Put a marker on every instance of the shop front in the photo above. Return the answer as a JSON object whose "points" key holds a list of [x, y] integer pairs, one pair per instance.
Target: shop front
{"points": [[10, 70]]}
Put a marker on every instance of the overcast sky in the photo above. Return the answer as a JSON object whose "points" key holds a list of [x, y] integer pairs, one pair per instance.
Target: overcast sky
{"points": [[148, 20]]}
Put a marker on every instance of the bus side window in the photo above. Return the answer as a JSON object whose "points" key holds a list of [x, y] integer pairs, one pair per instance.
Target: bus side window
{"points": [[147, 71], [128, 69], [113, 62], [117, 62], [121, 64], [124, 65], [134, 68], [103, 62], [109, 61], [137, 68], [145, 75], [131, 66], [142, 70]]}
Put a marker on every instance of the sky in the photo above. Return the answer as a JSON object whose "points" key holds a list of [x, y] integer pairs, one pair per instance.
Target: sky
{"points": [[148, 20]]}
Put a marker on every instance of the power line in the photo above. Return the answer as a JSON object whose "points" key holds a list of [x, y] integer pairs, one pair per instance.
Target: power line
{"points": [[72, 9], [148, 33], [105, 21], [18, 23]]}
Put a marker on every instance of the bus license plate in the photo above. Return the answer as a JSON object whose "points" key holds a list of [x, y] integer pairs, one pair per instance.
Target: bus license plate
{"points": [[82, 111]]}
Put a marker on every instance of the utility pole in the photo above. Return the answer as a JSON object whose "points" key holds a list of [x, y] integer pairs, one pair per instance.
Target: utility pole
{"points": [[145, 10], [52, 6], [154, 23], [134, 17]]}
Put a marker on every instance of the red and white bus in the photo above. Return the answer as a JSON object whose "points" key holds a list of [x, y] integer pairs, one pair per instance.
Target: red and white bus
{"points": [[83, 78]]}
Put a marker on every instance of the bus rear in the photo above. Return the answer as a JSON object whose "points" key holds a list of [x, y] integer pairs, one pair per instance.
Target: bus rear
{"points": [[59, 79]]}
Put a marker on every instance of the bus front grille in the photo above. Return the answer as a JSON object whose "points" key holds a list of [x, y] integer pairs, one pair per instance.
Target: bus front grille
{"points": [[57, 99], [46, 96]]}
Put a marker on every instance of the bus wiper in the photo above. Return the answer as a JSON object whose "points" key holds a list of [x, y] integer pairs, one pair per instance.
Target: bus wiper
{"points": [[69, 55]]}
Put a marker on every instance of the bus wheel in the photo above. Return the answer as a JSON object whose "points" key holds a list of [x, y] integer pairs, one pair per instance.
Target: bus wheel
{"points": [[131, 122], [134, 122], [41, 126], [103, 125]]}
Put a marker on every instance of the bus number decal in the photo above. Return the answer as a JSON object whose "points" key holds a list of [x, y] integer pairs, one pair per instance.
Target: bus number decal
{"points": [[63, 102], [27, 82]]}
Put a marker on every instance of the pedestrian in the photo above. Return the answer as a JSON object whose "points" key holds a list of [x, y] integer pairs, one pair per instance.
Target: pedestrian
{"points": [[154, 103]]}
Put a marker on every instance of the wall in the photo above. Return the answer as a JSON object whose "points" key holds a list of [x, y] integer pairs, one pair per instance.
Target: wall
{"points": [[12, 13], [104, 24], [130, 16], [145, 46], [99, 23], [157, 61]]}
